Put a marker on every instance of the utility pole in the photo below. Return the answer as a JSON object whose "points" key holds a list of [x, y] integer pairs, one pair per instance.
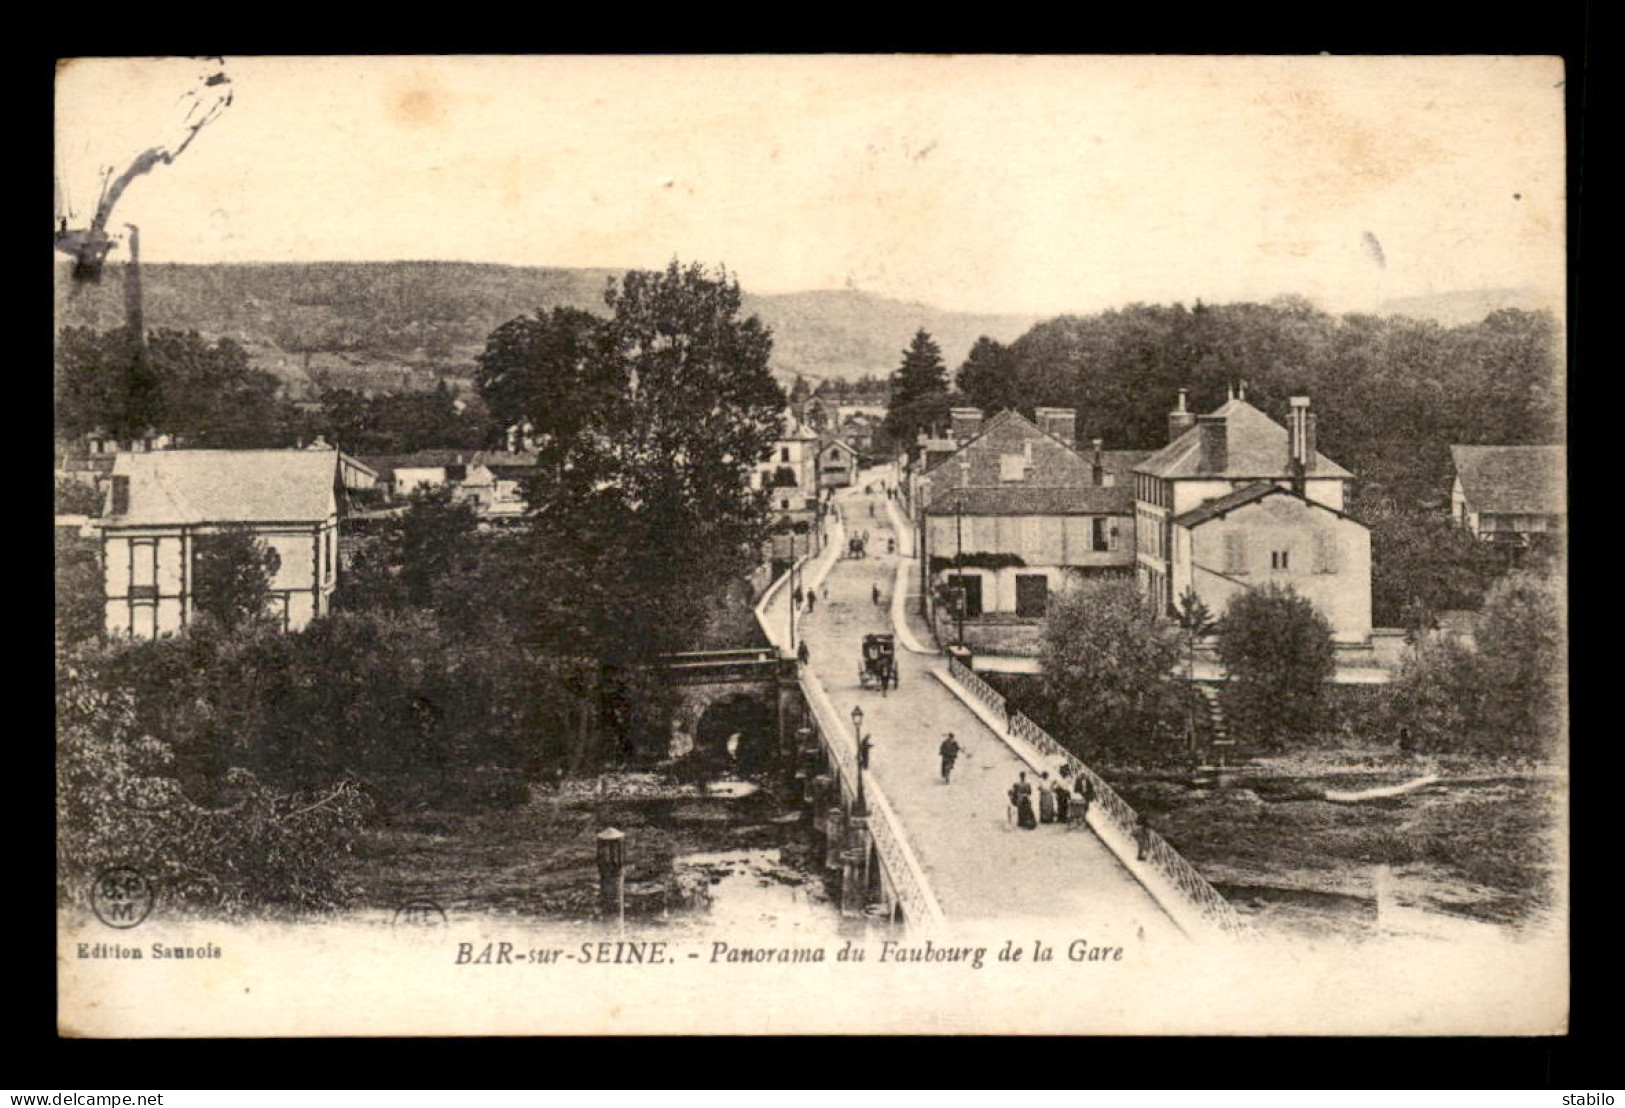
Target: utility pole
{"points": [[959, 566], [792, 586], [134, 313]]}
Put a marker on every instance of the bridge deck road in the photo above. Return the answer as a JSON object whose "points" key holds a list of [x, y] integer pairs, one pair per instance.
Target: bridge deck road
{"points": [[982, 868]]}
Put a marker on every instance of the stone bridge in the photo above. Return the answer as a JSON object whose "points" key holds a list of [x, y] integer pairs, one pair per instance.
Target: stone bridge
{"points": [[752, 693]]}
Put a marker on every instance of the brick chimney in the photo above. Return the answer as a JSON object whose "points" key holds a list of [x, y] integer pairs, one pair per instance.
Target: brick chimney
{"points": [[1215, 447], [1181, 419], [1060, 422], [1097, 463], [966, 423]]}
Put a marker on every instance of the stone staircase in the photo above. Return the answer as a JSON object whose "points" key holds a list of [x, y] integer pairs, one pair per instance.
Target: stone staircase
{"points": [[1221, 746]]}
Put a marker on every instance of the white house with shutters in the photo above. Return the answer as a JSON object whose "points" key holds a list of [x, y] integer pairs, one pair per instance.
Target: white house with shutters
{"points": [[160, 504], [1265, 534], [1236, 501]]}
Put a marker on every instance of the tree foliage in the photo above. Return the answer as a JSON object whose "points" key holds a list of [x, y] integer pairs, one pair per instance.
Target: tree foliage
{"points": [[987, 379], [232, 571], [1522, 639], [1423, 564], [640, 511], [1108, 668], [1507, 694], [430, 538], [206, 394], [398, 423], [543, 368], [79, 589], [1277, 651], [120, 801], [919, 392], [77, 498], [1195, 620], [1393, 393]]}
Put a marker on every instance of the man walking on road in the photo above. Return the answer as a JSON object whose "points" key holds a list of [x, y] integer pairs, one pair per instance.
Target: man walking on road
{"points": [[950, 754], [874, 594], [802, 653]]}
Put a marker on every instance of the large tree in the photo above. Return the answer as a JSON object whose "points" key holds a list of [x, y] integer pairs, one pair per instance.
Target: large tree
{"points": [[1423, 563], [1523, 644], [431, 536], [1109, 667], [232, 571], [919, 392], [1277, 652], [987, 378], [544, 368], [650, 420]]}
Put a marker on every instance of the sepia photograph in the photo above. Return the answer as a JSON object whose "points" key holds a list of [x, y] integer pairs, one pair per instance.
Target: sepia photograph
{"points": [[811, 544]]}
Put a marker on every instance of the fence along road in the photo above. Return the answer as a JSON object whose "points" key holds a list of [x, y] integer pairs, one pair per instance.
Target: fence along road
{"points": [[979, 866]]}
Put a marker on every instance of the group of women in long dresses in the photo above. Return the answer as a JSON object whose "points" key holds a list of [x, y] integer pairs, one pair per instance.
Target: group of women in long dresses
{"points": [[1062, 801]]}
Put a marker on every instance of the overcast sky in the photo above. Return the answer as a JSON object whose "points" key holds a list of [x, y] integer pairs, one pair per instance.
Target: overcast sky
{"points": [[981, 184]]}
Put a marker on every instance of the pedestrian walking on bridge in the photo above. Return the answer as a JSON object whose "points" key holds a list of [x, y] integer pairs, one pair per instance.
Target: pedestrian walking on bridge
{"points": [[803, 655], [950, 754], [874, 594], [1142, 838]]}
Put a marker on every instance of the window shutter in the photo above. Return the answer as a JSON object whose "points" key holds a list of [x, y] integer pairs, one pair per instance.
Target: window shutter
{"points": [[121, 495], [1235, 552]]}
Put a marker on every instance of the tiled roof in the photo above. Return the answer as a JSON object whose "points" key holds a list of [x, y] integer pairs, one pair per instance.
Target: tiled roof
{"points": [[227, 486], [1229, 502], [506, 461], [1033, 500], [1523, 479], [1255, 446], [1055, 463], [387, 464], [1218, 506]]}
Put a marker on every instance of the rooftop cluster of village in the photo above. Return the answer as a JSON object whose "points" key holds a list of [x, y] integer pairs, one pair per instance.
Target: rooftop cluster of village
{"points": [[1008, 509]]}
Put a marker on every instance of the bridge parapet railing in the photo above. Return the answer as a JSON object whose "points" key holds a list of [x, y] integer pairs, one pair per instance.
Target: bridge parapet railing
{"points": [[920, 907], [1196, 890]]}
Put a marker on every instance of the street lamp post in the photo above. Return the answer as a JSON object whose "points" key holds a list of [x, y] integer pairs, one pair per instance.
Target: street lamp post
{"points": [[860, 808], [792, 524]]}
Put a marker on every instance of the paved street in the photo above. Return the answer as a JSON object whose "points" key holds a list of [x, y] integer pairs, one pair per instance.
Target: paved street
{"points": [[981, 866]]}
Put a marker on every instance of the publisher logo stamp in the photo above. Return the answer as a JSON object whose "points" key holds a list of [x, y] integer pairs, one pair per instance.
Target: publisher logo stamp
{"points": [[420, 913], [121, 897]]}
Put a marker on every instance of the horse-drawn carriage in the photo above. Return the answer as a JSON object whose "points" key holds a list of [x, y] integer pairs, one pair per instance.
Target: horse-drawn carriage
{"points": [[878, 668]]}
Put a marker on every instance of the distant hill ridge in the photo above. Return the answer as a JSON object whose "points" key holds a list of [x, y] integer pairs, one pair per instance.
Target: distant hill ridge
{"points": [[395, 316], [1452, 309]]}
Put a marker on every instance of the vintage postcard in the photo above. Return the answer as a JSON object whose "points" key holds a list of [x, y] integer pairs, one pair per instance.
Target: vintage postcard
{"points": [[841, 545]]}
